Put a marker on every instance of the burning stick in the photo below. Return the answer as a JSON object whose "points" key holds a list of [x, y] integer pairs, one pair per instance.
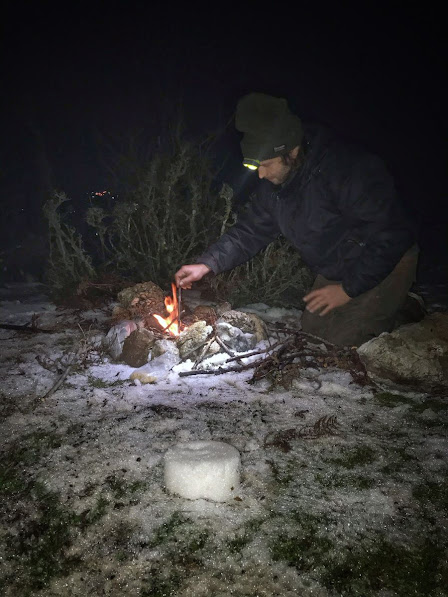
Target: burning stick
{"points": [[179, 306]]}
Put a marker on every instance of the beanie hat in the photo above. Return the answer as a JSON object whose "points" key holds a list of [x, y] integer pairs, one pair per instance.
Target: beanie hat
{"points": [[270, 129]]}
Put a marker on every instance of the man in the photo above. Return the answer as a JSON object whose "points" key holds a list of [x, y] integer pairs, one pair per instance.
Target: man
{"points": [[337, 205]]}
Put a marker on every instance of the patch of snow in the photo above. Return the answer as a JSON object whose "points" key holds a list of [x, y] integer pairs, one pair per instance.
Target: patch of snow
{"points": [[100, 440]]}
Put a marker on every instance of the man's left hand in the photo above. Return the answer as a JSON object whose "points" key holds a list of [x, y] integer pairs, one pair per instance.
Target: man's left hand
{"points": [[326, 298]]}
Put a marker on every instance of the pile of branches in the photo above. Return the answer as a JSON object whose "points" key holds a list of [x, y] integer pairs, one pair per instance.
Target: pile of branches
{"points": [[283, 361]]}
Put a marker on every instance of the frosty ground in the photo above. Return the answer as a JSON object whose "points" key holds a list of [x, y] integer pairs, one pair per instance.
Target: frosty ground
{"points": [[360, 510]]}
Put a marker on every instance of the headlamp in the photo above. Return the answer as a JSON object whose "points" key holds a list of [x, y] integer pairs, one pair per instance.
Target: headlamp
{"points": [[251, 164]]}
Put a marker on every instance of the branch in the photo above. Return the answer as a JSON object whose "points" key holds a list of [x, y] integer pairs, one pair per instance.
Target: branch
{"points": [[25, 328], [61, 380], [220, 370]]}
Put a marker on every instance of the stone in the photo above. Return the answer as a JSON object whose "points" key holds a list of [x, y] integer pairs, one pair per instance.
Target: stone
{"points": [[144, 292], [234, 338], [140, 301], [223, 307], [247, 322], [415, 355], [205, 313], [113, 342], [162, 346], [142, 377], [137, 347], [192, 339]]}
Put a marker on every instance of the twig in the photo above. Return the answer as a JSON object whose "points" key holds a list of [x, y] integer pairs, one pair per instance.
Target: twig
{"points": [[308, 335], [179, 306], [61, 380], [220, 370], [255, 352], [226, 349], [204, 351]]}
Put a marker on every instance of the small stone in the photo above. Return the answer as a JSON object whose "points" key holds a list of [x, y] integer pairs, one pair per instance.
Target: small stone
{"points": [[142, 377]]}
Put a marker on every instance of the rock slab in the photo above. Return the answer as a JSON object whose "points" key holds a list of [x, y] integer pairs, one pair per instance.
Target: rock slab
{"points": [[415, 355]]}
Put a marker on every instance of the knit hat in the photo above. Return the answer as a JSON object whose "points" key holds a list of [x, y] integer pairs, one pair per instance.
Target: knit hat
{"points": [[269, 128]]}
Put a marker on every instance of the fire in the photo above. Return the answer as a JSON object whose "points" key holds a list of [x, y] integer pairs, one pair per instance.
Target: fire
{"points": [[171, 323]]}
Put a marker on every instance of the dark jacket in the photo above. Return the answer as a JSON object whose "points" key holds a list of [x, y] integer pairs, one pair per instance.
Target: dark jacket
{"points": [[339, 210]]}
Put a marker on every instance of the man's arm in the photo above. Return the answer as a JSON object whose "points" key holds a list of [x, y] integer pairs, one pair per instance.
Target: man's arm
{"points": [[255, 229]]}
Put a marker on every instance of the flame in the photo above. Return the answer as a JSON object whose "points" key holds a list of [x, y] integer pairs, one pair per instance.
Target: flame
{"points": [[170, 323]]}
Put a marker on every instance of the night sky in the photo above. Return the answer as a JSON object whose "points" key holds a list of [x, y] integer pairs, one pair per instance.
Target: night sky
{"points": [[77, 73]]}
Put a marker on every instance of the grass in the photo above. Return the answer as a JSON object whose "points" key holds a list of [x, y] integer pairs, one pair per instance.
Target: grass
{"points": [[411, 570], [306, 546], [122, 488], [334, 480], [355, 457], [373, 564], [246, 535], [96, 382], [392, 400], [47, 527], [181, 543], [434, 493]]}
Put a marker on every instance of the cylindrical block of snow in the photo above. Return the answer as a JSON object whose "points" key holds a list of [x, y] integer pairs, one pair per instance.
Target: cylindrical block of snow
{"points": [[203, 469]]}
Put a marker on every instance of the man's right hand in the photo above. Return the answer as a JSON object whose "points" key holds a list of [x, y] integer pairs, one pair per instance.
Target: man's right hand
{"points": [[190, 273]]}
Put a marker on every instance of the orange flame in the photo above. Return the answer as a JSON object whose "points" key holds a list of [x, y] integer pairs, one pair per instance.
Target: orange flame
{"points": [[170, 323]]}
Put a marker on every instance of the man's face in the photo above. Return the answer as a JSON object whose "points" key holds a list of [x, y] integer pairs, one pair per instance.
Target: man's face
{"points": [[275, 170]]}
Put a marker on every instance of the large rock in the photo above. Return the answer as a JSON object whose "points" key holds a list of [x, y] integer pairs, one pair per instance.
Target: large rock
{"points": [[139, 302], [234, 338], [146, 293], [190, 341], [415, 355], [249, 323], [137, 347]]}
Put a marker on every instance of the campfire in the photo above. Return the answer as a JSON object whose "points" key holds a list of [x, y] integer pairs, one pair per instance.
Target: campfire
{"points": [[216, 340], [172, 323]]}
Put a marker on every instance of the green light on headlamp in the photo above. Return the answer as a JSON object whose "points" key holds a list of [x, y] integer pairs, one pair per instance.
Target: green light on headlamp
{"points": [[251, 164]]}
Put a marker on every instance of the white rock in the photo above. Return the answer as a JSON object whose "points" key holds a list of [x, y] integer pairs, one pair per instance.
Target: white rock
{"points": [[203, 469], [164, 346], [234, 338], [415, 354], [116, 336]]}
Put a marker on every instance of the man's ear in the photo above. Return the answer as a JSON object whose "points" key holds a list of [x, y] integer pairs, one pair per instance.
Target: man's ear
{"points": [[294, 152]]}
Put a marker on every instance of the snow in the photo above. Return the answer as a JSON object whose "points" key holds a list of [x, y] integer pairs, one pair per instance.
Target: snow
{"points": [[203, 469], [305, 505]]}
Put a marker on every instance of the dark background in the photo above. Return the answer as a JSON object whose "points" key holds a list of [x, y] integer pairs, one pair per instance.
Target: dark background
{"points": [[76, 76]]}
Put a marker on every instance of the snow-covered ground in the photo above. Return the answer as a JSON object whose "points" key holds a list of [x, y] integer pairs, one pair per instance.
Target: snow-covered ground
{"points": [[360, 510]]}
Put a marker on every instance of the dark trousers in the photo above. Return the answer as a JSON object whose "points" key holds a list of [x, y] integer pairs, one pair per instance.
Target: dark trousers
{"points": [[369, 314]]}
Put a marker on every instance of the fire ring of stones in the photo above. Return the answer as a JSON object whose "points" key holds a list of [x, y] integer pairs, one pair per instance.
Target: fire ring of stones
{"points": [[149, 335]]}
